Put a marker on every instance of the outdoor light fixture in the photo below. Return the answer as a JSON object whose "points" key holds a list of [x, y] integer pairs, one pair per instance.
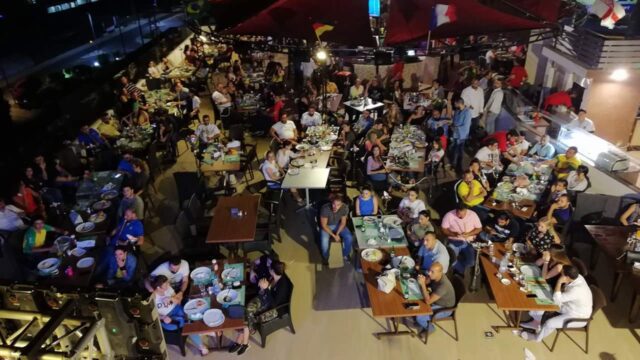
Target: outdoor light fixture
{"points": [[321, 55], [96, 64], [619, 75]]}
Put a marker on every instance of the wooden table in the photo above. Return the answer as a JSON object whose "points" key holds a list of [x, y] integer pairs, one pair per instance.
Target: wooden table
{"points": [[612, 241], [219, 166], [390, 305], [530, 206], [228, 229], [199, 327], [508, 298]]}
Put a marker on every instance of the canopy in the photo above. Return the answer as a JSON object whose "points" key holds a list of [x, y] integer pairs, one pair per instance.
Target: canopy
{"points": [[409, 20], [295, 19]]}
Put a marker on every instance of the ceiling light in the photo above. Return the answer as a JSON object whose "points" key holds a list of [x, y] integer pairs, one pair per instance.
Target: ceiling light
{"points": [[620, 75]]}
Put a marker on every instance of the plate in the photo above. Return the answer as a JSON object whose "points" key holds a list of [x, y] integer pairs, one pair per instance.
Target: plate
{"points": [[297, 162], [392, 220], [226, 297], [302, 147], [505, 281], [109, 186], [530, 270], [325, 148], [332, 137], [108, 195], [230, 274], [202, 273], [403, 261], [396, 233], [97, 217], [372, 242], [213, 317], [371, 255], [293, 172], [79, 252], [86, 244], [369, 219], [85, 227], [195, 306], [48, 265], [85, 263], [101, 205]]}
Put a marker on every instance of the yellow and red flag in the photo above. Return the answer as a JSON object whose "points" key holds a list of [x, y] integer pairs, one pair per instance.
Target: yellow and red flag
{"points": [[321, 28]]}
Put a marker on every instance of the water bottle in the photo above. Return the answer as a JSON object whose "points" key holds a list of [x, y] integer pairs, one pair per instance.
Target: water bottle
{"points": [[504, 263]]}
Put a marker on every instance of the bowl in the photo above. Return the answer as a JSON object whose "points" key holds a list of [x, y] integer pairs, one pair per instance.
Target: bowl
{"points": [[48, 265], [63, 243], [201, 274], [226, 297]]}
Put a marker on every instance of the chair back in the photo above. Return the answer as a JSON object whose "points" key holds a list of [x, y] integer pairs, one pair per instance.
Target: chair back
{"points": [[194, 209], [458, 287], [455, 190], [599, 299], [580, 265]]}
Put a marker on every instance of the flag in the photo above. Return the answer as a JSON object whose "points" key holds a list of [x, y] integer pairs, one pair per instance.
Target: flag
{"points": [[609, 12], [321, 28], [442, 14]]}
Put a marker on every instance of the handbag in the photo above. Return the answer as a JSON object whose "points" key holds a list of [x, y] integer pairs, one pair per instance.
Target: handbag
{"points": [[387, 282]]}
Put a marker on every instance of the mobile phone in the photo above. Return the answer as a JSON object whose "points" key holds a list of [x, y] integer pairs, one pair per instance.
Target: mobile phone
{"points": [[531, 295], [411, 305]]}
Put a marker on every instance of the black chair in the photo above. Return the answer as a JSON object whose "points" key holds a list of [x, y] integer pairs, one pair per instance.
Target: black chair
{"points": [[261, 243], [175, 337], [282, 321], [452, 259], [459, 288], [599, 301], [246, 163]]}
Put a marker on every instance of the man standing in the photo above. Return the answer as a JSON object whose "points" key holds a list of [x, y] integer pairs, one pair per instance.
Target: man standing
{"points": [[461, 123], [333, 224], [575, 302], [581, 122], [473, 96], [493, 107], [432, 251], [461, 227], [311, 117], [442, 295]]}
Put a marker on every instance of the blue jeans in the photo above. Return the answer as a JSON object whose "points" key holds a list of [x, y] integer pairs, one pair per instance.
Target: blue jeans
{"points": [[178, 316], [465, 253], [490, 125], [378, 177], [345, 235], [457, 153], [423, 320]]}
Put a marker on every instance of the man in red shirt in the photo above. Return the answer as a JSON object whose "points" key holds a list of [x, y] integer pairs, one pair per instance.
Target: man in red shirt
{"points": [[397, 69], [518, 75], [277, 108], [559, 98]]}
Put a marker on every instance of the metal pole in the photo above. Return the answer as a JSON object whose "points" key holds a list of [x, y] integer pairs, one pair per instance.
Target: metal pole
{"points": [[93, 31]]}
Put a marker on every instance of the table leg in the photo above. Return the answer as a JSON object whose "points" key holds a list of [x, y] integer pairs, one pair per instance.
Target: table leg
{"points": [[395, 324], [634, 301], [617, 281], [512, 321], [306, 191]]}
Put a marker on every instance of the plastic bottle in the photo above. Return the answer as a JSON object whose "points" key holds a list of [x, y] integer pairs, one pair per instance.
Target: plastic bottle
{"points": [[504, 263]]}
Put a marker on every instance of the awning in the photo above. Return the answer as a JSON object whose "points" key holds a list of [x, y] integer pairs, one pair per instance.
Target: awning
{"points": [[294, 19], [409, 20]]}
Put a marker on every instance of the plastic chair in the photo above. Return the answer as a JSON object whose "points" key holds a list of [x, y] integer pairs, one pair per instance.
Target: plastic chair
{"points": [[460, 291]]}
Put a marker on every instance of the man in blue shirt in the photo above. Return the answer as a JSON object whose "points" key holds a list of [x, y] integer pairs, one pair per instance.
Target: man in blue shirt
{"points": [[125, 164], [437, 120], [364, 124], [129, 231], [431, 251], [461, 126], [90, 137]]}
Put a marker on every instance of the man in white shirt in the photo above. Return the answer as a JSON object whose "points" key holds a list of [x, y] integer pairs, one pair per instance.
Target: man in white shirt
{"points": [[491, 57], [284, 129], [493, 107], [473, 96], [311, 117], [9, 221], [220, 98], [582, 122], [176, 270], [489, 156], [575, 302], [195, 104], [207, 132]]}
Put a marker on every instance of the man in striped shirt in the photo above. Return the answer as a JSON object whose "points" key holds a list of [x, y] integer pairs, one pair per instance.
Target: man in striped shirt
{"points": [[129, 87]]}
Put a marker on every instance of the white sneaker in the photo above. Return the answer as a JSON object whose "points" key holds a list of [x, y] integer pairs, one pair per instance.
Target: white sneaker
{"points": [[527, 336]]}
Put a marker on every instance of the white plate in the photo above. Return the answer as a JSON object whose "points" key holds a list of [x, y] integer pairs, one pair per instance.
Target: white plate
{"points": [[108, 195], [85, 227], [202, 273], [195, 306], [101, 205], [371, 255], [97, 217], [48, 265], [392, 220], [297, 162], [79, 252], [530, 270], [332, 137], [325, 148], [406, 261], [505, 281], [85, 263], [230, 274], [293, 172], [302, 147], [230, 295], [396, 233], [369, 219], [213, 317]]}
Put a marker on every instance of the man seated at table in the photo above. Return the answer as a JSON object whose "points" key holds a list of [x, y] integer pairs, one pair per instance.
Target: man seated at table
{"points": [[207, 132], [129, 231], [542, 149], [364, 124], [436, 121], [501, 229], [489, 156], [122, 268], [441, 295], [333, 225], [125, 165], [573, 295], [430, 252], [176, 271], [379, 130], [461, 227], [311, 117], [108, 127], [560, 211], [558, 189], [35, 238], [521, 143], [129, 87], [419, 229], [131, 201], [565, 163], [90, 137], [284, 129], [470, 191]]}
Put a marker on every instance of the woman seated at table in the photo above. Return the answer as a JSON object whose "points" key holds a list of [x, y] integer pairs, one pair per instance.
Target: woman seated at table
{"points": [[578, 180], [541, 237], [273, 292], [122, 268], [274, 174], [418, 230], [560, 211], [285, 155], [551, 264], [410, 207], [366, 203], [28, 201], [631, 216], [170, 311], [35, 237], [375, 166], [417, 117], [478, 175], [394, 116]]}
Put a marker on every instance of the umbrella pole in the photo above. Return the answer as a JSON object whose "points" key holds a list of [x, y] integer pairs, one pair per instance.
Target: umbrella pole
{"points": [[428, 42]]}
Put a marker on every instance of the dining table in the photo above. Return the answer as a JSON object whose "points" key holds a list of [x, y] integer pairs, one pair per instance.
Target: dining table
{"points": [[511, 297], [407, 150], [393, 305], [411, 100], [360, 105], [234, 220], [204, 289], [135, 139], [180, 72], [367, 232]]}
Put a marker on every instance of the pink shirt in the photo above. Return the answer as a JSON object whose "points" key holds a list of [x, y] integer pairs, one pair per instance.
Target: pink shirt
{"points": [[453, 223]]}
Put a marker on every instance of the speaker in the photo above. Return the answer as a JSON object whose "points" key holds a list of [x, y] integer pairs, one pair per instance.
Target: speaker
{"points": [[151, 340]]}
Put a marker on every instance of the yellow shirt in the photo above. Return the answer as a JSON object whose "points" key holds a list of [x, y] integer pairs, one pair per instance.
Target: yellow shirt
{"points": [[41, 237], [332, 88], [463, 191], [564, 163], [108, 130]]}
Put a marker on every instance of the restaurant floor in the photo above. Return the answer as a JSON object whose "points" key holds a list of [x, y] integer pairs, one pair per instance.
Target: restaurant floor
{"points": [[333, 321]]}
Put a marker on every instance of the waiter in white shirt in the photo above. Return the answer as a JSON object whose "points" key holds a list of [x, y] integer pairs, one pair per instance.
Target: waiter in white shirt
{"points": [[575, 302], [582, 122], [311, 117], [473, 96]]}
